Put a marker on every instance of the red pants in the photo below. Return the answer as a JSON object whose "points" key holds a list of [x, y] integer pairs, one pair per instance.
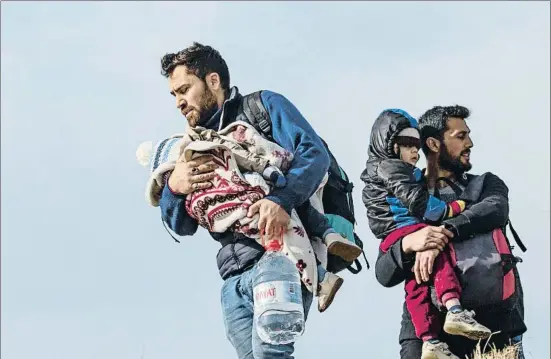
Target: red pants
{"points": [[418, 298]]}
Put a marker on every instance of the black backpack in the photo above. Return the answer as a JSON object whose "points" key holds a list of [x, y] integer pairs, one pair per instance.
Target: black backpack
{"points": [[337, 194]]}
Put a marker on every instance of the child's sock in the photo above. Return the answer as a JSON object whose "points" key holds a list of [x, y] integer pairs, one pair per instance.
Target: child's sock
{"points": [[456, 309], [272, 174], [328, 231], [453, 305], [321, 273], [430, 339]]}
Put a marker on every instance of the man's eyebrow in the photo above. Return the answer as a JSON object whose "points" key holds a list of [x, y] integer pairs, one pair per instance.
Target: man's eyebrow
{"points": [[463, 132], [178, 89]]}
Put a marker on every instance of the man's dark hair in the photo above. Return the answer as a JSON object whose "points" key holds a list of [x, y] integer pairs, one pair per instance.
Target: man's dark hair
{"points": [[199, 60], [434, 122]]}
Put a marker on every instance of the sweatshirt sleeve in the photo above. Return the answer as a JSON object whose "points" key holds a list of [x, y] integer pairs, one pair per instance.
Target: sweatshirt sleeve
{"points": [[174, 214], [311, 161]]}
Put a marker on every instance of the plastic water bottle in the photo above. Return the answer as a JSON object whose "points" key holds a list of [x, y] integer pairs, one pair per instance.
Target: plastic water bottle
{"points": [[278, 310]]}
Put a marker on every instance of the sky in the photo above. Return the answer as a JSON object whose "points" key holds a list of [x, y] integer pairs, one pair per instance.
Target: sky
{"points": [[87, 269]]}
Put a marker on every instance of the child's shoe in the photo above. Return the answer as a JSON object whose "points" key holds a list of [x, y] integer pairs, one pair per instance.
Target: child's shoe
{"points": [[438, 350], [328, 287], [463, 323], [342, 247]]}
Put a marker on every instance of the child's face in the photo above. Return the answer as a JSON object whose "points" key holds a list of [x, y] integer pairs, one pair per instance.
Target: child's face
{"points": [[409, 154]]}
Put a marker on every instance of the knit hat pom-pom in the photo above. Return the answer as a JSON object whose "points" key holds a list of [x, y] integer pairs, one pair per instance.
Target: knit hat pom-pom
{"points": [[143, 153]]}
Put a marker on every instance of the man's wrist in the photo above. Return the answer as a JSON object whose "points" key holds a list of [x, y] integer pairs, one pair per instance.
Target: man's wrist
{"points": [[168, 175], [406, 258], [279, 201], [406, 245]]}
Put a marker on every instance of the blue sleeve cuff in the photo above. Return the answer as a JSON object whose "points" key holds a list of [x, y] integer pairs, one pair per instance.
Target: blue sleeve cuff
{"points": [[435, 209], [174, 214], [287, 205]]}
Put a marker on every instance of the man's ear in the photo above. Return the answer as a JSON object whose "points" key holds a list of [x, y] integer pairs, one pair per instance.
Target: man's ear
{"points": [[213, 81], [433, 144]]}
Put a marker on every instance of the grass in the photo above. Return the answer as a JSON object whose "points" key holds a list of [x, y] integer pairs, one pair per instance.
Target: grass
{"points": [[510, 352]]}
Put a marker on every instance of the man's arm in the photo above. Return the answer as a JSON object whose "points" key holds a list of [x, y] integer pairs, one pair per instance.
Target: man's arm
{"points": [[489, 212], [311, 161], [174, 214], [397, 254], [393, 267]]}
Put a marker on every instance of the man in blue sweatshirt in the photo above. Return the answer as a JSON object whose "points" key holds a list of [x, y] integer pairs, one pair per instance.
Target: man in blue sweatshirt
{"points": [[200, 82]]}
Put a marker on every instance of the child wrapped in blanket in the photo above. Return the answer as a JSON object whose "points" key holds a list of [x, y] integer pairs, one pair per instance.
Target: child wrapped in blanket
{"points": [[224, 206]]}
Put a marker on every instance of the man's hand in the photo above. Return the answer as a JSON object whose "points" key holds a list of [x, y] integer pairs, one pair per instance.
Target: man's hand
{"points": [[426, 238], [424, 262], [273, 219], [192, 176]]}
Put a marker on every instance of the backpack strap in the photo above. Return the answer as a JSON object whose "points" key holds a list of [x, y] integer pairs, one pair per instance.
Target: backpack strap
{"points": [[256, 114], [456, 189], [516, 237], [340, 183]]}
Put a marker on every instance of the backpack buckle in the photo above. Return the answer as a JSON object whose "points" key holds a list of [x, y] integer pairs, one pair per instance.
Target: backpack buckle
{"points": [[349, 187], [264, 125]]}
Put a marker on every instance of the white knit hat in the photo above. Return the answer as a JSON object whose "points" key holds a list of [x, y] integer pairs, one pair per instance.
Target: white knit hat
{"points": [[409, 132], [160, 159], [167, 150]]}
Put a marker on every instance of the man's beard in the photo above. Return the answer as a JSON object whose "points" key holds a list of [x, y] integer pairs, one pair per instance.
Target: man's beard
{"points": [[207, 108], [453, 164]]}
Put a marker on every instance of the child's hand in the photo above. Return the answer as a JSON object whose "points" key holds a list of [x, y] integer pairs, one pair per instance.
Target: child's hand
{"points": [[455, 208]]}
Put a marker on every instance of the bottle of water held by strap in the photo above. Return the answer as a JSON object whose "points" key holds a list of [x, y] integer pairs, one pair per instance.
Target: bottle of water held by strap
{"points": [[278, 310]]}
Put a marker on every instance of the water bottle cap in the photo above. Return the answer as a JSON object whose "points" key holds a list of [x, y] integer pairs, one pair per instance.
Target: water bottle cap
{"points": [[273, 245]]}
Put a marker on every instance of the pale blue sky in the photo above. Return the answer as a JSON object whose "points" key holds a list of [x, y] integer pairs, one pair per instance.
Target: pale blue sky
{"points": [[88, 270]]}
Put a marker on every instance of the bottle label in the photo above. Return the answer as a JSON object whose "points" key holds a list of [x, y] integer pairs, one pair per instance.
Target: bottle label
{"points": [[270, 294]]}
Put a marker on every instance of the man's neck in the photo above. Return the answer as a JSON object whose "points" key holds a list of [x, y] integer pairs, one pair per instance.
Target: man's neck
{"points": [[215, 116], [221, 98], [433, 172]]}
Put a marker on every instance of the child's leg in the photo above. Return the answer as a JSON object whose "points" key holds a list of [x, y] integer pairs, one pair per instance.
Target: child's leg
{"points": [[321, 273], [318, 226], [422, 311], [329, 285], [448, 291], [316, 223], [446, 284], [425, 320]]}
